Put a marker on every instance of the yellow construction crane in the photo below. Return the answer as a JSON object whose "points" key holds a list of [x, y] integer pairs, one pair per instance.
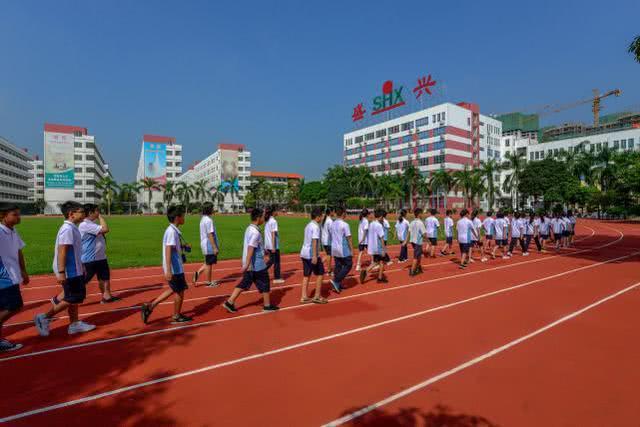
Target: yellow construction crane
{"points": [[596, 103]]}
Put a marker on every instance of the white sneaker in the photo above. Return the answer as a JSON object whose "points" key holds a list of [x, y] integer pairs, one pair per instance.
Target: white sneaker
{"points": [[525, 254], [357, 268], [42, 324], [278, 281], [390, 263], [80, 327], [505, 257]]}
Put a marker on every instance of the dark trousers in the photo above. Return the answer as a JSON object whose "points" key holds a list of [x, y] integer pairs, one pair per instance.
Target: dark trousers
{"points": [[342, 267], [403, 253], [513, 243], [274, 260], [527, 242]]}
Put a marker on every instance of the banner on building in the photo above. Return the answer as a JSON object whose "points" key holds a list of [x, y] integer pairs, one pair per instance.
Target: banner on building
{"points": [[155, 162], [58, 160], [229, 173]]}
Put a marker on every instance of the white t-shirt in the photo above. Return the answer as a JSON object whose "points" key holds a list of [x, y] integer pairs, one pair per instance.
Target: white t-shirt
{"points": [[432, 225], [464, 230], [567, 223], [501, 228], [558, 225], [363, 227], [207, 228], [10, 244], [543, 225], [487, 224], [516, 228], [311, 238], [385, 227], [448, 226], [93, 243], [172, 238], [326, 231], [374, 234], [68, 234], [270, 227], [402, 228], [477, 224], [253, 238], [417, 230], [572, 220], [340, 233], [528, 227]]}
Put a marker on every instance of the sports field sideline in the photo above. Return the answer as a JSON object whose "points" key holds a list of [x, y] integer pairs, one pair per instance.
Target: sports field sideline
{"points": [[546, 340]]}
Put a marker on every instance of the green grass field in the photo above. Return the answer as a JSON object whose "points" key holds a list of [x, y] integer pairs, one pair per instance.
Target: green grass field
{"points": [[136, 241]]}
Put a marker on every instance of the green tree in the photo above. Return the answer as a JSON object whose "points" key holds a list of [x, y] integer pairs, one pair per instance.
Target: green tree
{"points": [[634, 48], [442, 182], [411, 179], [313, 192], [109, 190], [168, 193], [200, 190], [488, 170], [464, 181], [149, 185], [184, 192], [129, 193], [337, 178], [515, 165]]}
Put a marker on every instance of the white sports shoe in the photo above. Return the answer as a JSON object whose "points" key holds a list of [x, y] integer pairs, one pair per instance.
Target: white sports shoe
{"points": [[80, 327], [278, 281], [42, 324]]}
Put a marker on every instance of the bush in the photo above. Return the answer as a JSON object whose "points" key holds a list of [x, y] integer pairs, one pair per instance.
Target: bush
{"points": [[359, 202]]}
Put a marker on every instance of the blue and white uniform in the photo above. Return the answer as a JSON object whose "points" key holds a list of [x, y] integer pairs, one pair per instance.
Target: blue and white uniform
{"points": [[93, 242], [69, 235], [252, 238], [172, 238], [10, 245], [208, 228], [340, 233]]}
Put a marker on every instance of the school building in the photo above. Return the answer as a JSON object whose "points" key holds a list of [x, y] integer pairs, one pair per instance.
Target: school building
{"points": [[446, 136], [15, 172], [161, 161], [277, 178], [36, 181]]}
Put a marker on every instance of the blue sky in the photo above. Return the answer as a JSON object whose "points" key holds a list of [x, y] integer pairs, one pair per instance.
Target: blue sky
{"points": [[283, 77]]}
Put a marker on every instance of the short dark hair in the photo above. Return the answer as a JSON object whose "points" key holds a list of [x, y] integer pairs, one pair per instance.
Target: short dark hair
{"points": [[516, 215], [474, 213], [464, 212], [379, 213], [433, 211], [316, 212], [207, 208], [69, 207], [490, 213], [256, 213], [417, 211], [339, 211], [174, 212], [5, 208], [500, 214], [89, 208], [449, 212]]}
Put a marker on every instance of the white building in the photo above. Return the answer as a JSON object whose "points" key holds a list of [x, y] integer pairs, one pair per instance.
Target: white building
{"points": [[73, 163], [160, 160], [227, 170], [15, 171], [36, 181], [446, 136]]}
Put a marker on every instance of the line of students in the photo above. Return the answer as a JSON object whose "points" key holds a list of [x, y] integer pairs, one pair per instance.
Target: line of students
{"points": [[80, 254]]}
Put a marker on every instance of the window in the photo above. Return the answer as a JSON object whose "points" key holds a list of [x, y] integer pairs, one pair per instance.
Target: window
{"points": [[630, 142], [555, 152], [599, 146], [91, 170], [443, 119], [407, 126], [537, 155], [77, 157], [91, 158], [623, 143], [616, 145], [507, 142], [77, 195], [422, 122], [169, 175], [178, 153], [178, 164], [91, 145], [433, 119], [78, 182], [369, 136], [359, 139], [468, 121], [542, 154], [78, 170], [90, 182], [394, 129], [381, 133], [531, 155], [424, 161], [549, 153], [169, 163], [77, 144]]}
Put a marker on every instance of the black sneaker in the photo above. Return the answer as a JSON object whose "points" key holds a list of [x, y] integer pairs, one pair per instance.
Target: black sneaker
{"points": [[110, 300], [383, 280], [7, 346], [181, 318], [270, 307], [196, 275], [336, 286], [145, 311], [230, 307], [363, 275]]}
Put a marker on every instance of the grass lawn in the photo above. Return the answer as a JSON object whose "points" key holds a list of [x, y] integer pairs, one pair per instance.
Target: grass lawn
{"points": [[136, 241]]}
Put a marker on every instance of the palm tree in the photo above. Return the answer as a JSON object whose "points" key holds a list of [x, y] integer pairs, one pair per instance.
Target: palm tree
{"points": [[129, 193], [515, 164], [424, 190], [217, 196], [410, 180], [109, 189], [363, 182], [488, 170], [634, 48], [604, 169], [477, 188], [168, 193], [464, 182], [149, 185], [200, 190], [442, 181], [184, 192]]}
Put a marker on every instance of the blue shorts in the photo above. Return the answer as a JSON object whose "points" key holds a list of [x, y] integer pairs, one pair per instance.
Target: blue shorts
{"points": [[449, 240], [464, 247], [566, 233], [260, 278], [11, 298], [501, 242], [488, 236], [178, 283], [544, 236], [433, 240], [381, 258], [308, 267], [417, 250], [75, 290], [362, 247]]}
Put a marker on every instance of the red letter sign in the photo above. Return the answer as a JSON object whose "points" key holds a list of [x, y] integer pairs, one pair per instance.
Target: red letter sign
{"points": [[423, 84]]}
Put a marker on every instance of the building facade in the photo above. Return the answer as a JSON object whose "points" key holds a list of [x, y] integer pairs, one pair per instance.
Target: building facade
{"points": [[277, 178], [36, 181], [73, 164], [446, 136], [226, 174], [15, 172], [161, 161]]}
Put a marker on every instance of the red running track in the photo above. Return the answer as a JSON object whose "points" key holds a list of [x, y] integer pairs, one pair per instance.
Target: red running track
{"points": [[548, 339]]}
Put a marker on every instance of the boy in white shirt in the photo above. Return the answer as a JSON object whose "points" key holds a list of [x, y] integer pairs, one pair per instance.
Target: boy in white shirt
{"points": [[311, 261], [341, 249], [572, 227], [516, 233], [386, 227], [13, 271], [418, 233], [363, 229], [475, 238], [448, 234], [69, 271], [487, 225], [466, 232], [402, 234], [254, 268], [272, 243], [326, 236], [557, 230], [208, 245], [173, 259], [501, 231], [432, 224], [376, 248]]}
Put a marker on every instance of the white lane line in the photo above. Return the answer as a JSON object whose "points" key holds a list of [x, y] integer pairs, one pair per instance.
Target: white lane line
{"points": [[160, 275], [335, 336], [338, 299], [476, 360]]}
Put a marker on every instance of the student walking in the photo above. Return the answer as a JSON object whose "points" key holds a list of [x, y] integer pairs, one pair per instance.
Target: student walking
{"points": [[516, 233], [501, 230], [341, 249], [489, 230], [418, 234], [272, 243], [572, 226], [402, 233], [69, 272], [530, 233], [544, 224], [466, 232], [311, 261], [254, 268], [376, 248], [363, 229], [386, 227], [432, 224], [448, 234], [208, 245], [557, 230], [173, 258], [476, 241], [329, 215], [13, 271], [567, 230]]}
